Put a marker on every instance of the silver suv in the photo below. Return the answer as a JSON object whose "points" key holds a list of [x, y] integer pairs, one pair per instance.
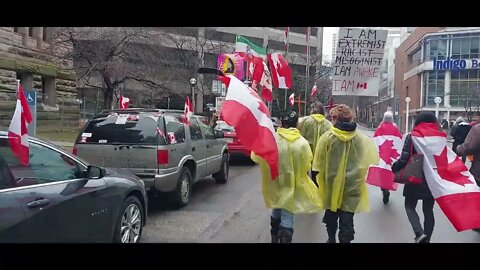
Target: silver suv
{"points": [[158, 147]]}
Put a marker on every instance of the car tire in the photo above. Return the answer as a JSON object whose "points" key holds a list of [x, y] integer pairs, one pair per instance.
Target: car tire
{"points": [[180, 197], [221, 177], [129, 225]]}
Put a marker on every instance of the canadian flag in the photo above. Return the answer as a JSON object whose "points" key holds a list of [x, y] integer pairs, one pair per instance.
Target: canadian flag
{"points": [[452, 185], [261, 75], [389, 142], [188, 111], [18, 130], [281, 73], [291, 99], [245, 111], [124, 102], [314, 90]]}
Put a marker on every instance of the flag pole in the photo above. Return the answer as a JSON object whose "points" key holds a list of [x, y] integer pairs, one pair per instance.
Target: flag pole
{"points": [[18, 86], [288, 45], [307, 71]]}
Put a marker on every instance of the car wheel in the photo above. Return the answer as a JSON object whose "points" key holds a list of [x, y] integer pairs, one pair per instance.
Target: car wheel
{"points": [[181, 195], [130, 222], [221, 177]]}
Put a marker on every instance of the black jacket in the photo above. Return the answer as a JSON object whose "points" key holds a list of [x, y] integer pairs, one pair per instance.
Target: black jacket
{"points": [[419, 191], [459, 133]]}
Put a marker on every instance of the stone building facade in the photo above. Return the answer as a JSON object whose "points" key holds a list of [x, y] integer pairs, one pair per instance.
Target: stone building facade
{"points": [[27, 54]]}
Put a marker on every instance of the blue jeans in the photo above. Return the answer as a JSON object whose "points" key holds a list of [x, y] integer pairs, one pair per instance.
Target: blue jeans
{"points": [[286, 217]]}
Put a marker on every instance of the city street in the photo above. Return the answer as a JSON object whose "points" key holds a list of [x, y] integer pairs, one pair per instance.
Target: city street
{"points": [[235, 212]]}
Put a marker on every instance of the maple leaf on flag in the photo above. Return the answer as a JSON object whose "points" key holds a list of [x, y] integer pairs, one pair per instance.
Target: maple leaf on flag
{"points": [[387, 152], [451, 172]]}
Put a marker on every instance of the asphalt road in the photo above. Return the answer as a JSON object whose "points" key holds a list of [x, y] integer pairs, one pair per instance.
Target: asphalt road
{"points": [[235, 213]]}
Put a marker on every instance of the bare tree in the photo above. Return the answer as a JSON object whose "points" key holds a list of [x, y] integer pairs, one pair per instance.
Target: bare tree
{"points": [[109, 58], [195, 50], [470, 99]]}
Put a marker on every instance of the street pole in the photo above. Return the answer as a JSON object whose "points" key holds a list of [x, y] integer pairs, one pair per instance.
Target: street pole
{"points": [[407, 100], [437, 101], [193, 81]]}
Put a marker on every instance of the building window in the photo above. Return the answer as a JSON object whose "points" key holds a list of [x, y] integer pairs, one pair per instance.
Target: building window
{"points": [[464, 87], [434, 87], [436, 49], [465, 47], [15, 29], [30, 31]]}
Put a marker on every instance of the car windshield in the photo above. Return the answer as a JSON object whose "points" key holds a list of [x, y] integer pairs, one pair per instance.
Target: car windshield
{"points": [[221, 125]]}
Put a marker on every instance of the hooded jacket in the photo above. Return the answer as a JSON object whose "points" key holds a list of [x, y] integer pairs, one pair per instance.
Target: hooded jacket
{"points": [[342, 158], [293, 190], [313, 127]]}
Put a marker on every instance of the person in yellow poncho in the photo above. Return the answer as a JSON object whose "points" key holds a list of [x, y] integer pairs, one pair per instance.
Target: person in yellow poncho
{"points": [[293, 191], [313, 127], [342, 158]]}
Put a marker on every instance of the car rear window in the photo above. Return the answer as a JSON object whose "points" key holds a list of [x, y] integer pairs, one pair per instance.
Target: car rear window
{"points": [[224, 126], [124, 129]]}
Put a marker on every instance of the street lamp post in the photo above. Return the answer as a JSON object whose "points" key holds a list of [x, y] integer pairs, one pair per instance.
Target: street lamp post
{"points": [[407, 100], [193, 82], [437, 101]]}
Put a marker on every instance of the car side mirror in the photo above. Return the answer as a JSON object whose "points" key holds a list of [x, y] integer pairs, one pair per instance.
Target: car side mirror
{"points": [[219, 134], [94, 172]]}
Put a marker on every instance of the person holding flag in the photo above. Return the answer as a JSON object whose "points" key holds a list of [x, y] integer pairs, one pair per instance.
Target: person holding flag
{"points": [[342, 158], [413, 192], [292, 192], [389, 141]]}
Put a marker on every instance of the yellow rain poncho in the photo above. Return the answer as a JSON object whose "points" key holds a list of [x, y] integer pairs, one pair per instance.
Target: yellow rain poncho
{"points": [[293, 190], [313, 127], [342, 159]]}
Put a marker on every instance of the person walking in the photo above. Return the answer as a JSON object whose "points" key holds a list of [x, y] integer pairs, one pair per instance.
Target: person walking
{"points": [[459, 132], [292, 192], [313, 127], [471, 146], [387, 127], [342, 158], [413, 192]]}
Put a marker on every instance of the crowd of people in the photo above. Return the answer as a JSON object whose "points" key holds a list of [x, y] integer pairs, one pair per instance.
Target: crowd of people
{"points": [[323, 163]]}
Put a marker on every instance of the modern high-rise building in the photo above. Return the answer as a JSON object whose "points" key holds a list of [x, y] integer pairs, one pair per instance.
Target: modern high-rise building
{"points": [[334, 44]]}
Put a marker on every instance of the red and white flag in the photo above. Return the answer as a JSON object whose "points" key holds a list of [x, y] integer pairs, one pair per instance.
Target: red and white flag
{"points": [[188, 111], [389, 142], [291, 99], [124, 102], [261, 75], [314, 90], [452, 185], [18, 130], [245, 111], [281, 73]]}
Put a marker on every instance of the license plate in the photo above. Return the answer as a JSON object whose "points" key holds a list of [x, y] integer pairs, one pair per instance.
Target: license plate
{"points": [[229, 140]]}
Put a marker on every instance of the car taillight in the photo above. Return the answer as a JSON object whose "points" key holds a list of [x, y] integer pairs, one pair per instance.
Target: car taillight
{"points": [[162, 157], [75, 151]]}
